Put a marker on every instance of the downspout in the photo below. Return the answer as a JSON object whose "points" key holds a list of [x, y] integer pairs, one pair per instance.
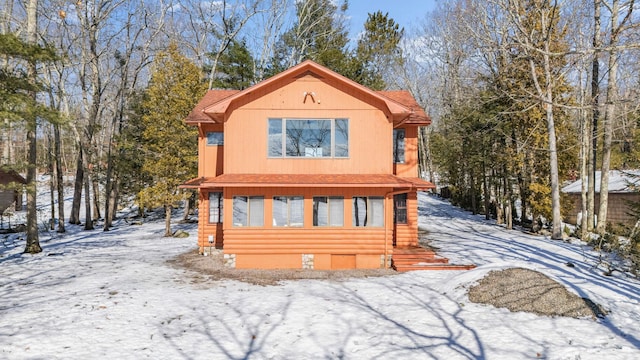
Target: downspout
{"points": [[389, 223]]}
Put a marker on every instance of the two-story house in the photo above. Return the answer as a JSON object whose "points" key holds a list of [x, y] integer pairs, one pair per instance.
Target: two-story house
{"points": [[308, 169]]}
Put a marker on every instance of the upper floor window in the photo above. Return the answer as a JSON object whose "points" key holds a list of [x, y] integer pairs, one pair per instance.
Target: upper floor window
{"points": [[215, 138], [398, 146], [368, 211], [319, 138], [288, 211], [215, 207]]}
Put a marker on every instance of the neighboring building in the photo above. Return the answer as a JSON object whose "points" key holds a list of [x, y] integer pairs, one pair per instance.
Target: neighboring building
{"points": [[11, 188], [624, 191], [308, 169]]}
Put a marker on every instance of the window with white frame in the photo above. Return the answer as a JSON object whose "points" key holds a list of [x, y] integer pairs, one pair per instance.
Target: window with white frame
{"points": [[316, 138], [248, 211], [215, 207], [328, 211], [368, 211], [288, 211]]}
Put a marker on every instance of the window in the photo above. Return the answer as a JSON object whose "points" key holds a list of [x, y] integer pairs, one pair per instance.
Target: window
{"points": [[317, 138], [215, 207], [215, 138], [400, 209], [288, 211], [328, 211], [368, 211], [398, 146], [248, 211]]}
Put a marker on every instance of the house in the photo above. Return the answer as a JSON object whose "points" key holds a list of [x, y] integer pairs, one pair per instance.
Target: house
{"points": [[623, 193], [11, 187], [308, 169]]}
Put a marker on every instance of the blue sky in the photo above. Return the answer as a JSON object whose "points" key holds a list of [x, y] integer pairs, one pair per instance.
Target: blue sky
{"points": [[405, 12]]}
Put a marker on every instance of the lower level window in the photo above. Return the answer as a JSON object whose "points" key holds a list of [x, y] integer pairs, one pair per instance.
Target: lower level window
{"points": [[288, 211], [248, 211], [328, 211], [215, 207], [368, 211]]}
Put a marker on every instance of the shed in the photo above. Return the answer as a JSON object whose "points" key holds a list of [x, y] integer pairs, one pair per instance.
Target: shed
{"points": [[624, 191]]}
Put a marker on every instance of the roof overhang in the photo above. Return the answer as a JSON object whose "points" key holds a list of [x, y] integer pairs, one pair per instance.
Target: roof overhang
{"points": [[218, 109], [309, 180]]}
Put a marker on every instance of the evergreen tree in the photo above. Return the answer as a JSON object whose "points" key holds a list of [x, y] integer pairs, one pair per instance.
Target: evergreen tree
{"points": [[18, 102], [319, 34], [169, 145], [235, 67], [377, 51]]}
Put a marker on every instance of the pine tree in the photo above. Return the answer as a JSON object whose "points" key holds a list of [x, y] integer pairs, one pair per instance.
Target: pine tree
{"points": [[18, 102], [169, 145], [235, 67], [377, 51], [319, 34]]}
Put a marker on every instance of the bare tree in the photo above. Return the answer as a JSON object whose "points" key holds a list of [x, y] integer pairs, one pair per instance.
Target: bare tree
{"points": [[617, 27]]}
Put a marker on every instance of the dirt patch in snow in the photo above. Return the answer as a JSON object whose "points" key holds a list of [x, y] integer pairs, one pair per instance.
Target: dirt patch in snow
{"points": [[211, 267], [519, 289]]}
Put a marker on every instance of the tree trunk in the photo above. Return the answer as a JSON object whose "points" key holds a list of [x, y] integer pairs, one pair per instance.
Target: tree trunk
{"points": [[167, 221], [33, 242], [609, 116], [96, 198], [74, 217], [52, 183], [595, 108], [88, 220], [59, 177]]}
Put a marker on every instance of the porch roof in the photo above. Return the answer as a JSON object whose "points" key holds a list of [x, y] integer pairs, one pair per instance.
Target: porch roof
{"points": [[309, 180]]}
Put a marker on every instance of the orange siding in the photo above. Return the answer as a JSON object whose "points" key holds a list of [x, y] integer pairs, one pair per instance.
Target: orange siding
{"points": [[246, 132], [410, 166], [270, 243], [407, 234], [204, 227], [210, 158]]}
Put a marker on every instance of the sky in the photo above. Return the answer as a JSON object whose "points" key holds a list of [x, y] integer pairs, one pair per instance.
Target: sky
{"points": [[405, 12]]}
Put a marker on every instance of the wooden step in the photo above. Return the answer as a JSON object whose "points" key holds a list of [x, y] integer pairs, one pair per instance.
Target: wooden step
{"points": [[410, 261], [414, 267]]}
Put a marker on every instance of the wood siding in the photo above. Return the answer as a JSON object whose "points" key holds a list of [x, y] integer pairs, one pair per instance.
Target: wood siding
{"points": [[370, 140], [367, 244], [407, 234], [410, 166], [210, 158], [618, 209]]}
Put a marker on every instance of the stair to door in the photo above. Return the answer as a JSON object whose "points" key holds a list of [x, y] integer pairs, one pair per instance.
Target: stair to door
{"points": [[419, 258]]}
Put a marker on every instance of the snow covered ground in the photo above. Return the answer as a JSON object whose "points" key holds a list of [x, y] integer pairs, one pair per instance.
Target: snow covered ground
{"points": [[112, 295]]}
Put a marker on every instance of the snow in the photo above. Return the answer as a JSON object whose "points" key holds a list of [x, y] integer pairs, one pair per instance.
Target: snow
{"points": [[95, 294]]}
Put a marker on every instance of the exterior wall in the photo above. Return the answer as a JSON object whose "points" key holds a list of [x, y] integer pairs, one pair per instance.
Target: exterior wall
{"points": [[210, 158], [278, 247], [247, 127], [205, 228], [617, 211], [407, 234], [410, 166]]}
